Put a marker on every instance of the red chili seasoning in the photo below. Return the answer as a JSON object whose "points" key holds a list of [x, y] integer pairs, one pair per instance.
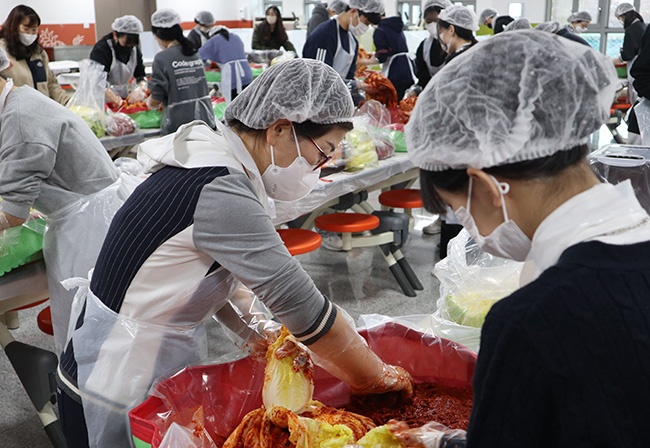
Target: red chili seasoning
{"points": [[450, 406]]}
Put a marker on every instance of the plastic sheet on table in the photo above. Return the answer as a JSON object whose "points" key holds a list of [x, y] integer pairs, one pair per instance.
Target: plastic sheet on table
{"points": [[21, 244], [618, 163], [227, 392]]}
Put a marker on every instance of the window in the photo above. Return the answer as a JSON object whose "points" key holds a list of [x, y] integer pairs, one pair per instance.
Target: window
{"points": [[268, 3], [309, 8], [410, 11], [605, 32]]}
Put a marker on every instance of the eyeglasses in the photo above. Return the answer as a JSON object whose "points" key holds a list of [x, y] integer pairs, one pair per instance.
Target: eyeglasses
{"points": [[324, 158]]}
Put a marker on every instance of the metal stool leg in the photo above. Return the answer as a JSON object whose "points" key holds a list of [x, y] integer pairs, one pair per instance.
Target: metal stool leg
{"points": [[397, 271], [408, 270]]}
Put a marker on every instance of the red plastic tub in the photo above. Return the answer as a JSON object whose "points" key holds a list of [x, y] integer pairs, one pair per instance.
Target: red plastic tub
{"points": [[229, 391]]}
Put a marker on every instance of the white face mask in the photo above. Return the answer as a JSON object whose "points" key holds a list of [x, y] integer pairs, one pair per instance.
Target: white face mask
{"points": [[444, 45], [359, 29], [507, 240], [271, 19], [27, 39], [432, 28], [293, 182]]}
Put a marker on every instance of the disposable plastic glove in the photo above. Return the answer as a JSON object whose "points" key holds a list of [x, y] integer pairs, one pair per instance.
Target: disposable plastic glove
{"points": [[430, 435], [346, 355], [138, 93], [249, 323], [113, 98]]}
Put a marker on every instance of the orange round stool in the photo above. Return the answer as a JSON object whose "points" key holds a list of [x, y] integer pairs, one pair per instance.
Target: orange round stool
{"points": [[407, 199], [44, 321], [300, 241], [347, 222]]}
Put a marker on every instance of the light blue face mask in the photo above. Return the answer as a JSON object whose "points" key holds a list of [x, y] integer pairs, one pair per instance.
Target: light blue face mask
{"points": [[507, 240]]}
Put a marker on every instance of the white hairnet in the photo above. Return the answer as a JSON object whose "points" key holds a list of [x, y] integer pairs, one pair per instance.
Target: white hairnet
{"points": [[165, 18], [460, 16], [128, 25], [474, 113], [519, 24], [297, 90], [623, 8], [338, 6], [204, 18], [376, 6], [442, 4], [550, 27], [580, 16], [486, 14], [4, 60]]}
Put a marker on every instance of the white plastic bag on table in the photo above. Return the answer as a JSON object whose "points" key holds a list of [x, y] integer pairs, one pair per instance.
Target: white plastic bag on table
{"points": [[88, 100], [119, 358], [471, 281], [376, 124]]}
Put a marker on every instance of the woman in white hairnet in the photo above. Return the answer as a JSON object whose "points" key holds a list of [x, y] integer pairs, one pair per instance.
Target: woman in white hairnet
{"points": [[554, 27], [178, 83], [196, 231], [456, 26], [578, 22], [200, 34], [119, 53], [429, 57], [565, 360], [491, 18]]}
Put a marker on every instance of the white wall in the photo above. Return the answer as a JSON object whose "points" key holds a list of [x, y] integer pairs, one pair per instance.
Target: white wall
{"points": [[56, 12]]}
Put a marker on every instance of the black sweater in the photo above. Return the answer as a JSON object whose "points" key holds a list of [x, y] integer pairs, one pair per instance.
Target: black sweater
{"points": [[632, 40], [641, 68], [101, 53], [565, 361]]}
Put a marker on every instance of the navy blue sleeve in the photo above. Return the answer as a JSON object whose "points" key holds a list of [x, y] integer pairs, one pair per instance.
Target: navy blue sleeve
{"points": [[382, 46], [321, 44], [353, 66]]}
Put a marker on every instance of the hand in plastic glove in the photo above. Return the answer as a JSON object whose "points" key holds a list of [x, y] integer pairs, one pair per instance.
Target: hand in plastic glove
{"points": [[138, 94], [113, 98], [430, 435], [346, 355]]}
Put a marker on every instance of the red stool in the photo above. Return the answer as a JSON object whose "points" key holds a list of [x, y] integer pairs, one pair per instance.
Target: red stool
{"points": [[407, 199], [300, 241], [44, 321], [388, 230], [11, 317]]}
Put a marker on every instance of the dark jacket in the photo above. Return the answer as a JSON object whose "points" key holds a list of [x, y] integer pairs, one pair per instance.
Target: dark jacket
{"points": [[195, 37], [564, 361], [318, 16], [500, 22], [632, 40], [567, 34], [641, 68], [271, 44], [389, 40], [322, 44], [437, 57]]}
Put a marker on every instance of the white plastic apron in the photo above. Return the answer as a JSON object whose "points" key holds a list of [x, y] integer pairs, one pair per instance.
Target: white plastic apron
{"points": [[119, 358], [120, 73], [385, 68], [426, 54], [343, 59], [607, 213], [226, 77], [642, 111], [73, 238]]}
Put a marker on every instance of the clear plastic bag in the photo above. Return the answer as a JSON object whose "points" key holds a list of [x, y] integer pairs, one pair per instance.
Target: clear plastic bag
{"points": [[471, 281], [289, 55], [189, 434], [377, 125], [88, 100], [118, 124]]}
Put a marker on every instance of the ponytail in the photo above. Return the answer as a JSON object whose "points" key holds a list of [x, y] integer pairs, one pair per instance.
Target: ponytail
{"points": [[175, 33]]}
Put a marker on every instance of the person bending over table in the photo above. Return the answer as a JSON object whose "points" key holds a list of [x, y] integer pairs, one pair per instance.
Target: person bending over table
{"points": [[193, 233]]}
